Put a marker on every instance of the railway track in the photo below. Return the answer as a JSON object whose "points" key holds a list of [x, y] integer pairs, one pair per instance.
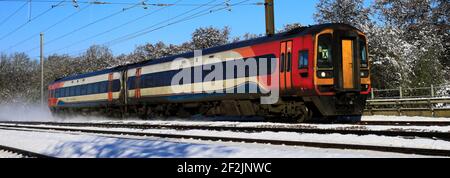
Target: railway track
{"points": [[75, 127], [22, 153], [295, 128], [406, 123]]}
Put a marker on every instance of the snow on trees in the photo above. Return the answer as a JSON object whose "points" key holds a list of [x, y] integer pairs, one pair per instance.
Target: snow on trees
{"points": [[350, 12], [203, 38], [407, 43]]}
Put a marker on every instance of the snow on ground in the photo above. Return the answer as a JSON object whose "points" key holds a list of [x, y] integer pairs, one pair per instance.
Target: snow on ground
{"points": [[61, 144], [278, 125], [293, 136], [404, 118], [4, 154]]}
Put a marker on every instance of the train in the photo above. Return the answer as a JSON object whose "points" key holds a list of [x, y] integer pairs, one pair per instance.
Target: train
{"points": [[317, 71]]}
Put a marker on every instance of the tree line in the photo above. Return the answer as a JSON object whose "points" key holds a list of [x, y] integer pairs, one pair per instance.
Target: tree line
{"points": [[408, 46]]}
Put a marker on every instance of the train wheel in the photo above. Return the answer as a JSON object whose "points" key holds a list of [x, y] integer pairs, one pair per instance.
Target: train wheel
{"points": [[306, 115]]}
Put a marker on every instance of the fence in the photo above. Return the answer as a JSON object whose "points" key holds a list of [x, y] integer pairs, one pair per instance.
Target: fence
{"points": [[433, 101], [403, 93]]}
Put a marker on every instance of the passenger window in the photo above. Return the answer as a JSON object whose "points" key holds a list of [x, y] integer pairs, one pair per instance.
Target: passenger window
{"points": [[89, 89], [77, 90], [116, 85], [104, 87], [72, 91], [324, 53], [363, 53], [83, 90], [98, 86], [67, 92], [282, 62], [289, 62], [303, 59]]}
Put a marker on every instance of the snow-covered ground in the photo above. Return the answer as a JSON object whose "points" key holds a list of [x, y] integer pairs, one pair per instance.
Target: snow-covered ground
{"points": [[294, 136], [61, 144], [404, 118]]}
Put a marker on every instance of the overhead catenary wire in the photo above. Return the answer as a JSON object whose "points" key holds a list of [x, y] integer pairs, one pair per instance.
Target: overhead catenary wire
{"points": [[143, 32], [193, 16], [114, 28], [128, 3], [48, 28], [87, 25], [161, 22], [14, 13], [30, 20]]}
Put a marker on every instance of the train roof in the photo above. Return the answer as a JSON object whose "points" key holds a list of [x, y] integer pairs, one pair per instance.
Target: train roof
{"points": [[300, 31]]}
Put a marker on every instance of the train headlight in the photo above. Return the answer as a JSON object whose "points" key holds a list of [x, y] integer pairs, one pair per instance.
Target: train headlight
{"points": [[364, 73], [325, 74]]}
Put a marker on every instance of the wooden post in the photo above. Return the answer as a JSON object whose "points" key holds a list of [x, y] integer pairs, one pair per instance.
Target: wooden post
{"points": [[42, 69], [401, 92], [270, 17], [372, 94], [432, 91]]}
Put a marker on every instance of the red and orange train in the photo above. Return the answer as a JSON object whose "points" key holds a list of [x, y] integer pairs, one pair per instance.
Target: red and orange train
{"points": [[323, 71]]}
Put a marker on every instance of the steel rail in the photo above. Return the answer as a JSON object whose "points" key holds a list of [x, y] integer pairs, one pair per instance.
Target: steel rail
{"points": [[405, 150], [297, 129], [24, 153]]}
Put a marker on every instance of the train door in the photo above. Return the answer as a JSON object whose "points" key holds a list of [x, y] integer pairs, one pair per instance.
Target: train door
{"points": [[347, 64], [110, 87], [286, 66], [137, 93]]}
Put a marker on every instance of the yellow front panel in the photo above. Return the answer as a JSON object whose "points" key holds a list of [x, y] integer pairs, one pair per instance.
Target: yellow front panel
{"points": [[347, 63]]}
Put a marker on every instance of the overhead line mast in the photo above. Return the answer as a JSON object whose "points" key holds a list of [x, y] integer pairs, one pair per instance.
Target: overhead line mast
{"points": [[270, 18]]}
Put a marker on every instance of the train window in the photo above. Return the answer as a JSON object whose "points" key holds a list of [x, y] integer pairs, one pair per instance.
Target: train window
{"points": [[56, 93], [282, 62], [116, 85], [77, 90], [102, 87], [363, 52], [66, 92], [130, 84], [83, 89], [71, 91], [89, 89], [143, 83], [303, 59], [105, 86], [324, 53], [289, 62]]}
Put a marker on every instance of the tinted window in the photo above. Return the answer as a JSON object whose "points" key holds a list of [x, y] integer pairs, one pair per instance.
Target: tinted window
{"points": [[83, 89], [324, 51], [303, 59], [116, 85], [289, 62], [104, 86], [89, 89], [98, 88], [363, 53], [77, 90], [282, 62], [131, 83], [72, 91], [67, 92]]}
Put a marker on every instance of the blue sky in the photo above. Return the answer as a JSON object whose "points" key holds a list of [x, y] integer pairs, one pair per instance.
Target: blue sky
{"points": [[241, 19]]}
